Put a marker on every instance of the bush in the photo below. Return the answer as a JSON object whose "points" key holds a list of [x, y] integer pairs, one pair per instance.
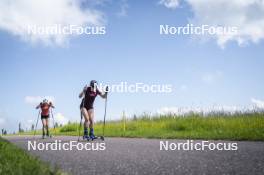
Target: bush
{"points": [[69, 128]]}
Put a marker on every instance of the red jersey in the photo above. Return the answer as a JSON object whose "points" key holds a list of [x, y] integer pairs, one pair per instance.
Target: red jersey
{"points": [[45, 108]]}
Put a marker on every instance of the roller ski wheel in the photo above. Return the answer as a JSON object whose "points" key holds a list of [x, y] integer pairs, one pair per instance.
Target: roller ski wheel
{"points": [[102, 138], [86, 138], [93, 137]]}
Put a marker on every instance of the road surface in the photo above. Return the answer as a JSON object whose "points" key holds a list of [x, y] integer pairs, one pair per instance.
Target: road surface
{"points": [[143, 156]]}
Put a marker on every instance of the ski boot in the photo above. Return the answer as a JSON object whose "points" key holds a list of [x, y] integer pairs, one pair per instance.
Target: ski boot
{"points": [[91, 134], [86, 137], [85, 134]]}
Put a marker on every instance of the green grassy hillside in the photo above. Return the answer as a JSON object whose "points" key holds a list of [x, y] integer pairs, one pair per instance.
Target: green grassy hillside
{"points": [[216, 126]]}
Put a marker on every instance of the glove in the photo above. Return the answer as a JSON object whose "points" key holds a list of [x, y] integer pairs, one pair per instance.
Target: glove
{"points": [[51, 105], [106, 89]]}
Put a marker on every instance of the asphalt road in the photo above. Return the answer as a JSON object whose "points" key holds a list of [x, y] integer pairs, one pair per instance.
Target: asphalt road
{"points": [[143, 156]]}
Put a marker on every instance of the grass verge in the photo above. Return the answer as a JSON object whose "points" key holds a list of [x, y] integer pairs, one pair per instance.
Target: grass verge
{"points": [[14, 161], [226, 127]]}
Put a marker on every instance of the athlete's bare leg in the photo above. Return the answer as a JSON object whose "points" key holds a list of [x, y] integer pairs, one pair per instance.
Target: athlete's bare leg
{"points": [[47, 126], [43, 126], [91, 117], [86, 120], [86, 117], [91, 122]]}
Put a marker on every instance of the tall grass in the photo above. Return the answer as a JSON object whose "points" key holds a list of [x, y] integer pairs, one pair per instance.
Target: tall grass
{"points": [[237, 126], [14, 160]]}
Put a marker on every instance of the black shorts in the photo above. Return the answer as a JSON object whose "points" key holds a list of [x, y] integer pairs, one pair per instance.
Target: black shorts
{"points": [[87, 107], [44, 117]]}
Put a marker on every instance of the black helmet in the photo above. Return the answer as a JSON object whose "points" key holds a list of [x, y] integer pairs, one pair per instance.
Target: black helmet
{"points": [[93, 83], [45, 101]]}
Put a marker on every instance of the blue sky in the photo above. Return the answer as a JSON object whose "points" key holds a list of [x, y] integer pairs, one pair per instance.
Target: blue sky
{"points": [[201, 72]]}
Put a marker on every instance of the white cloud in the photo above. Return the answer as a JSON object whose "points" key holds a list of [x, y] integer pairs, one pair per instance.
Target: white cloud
{"points": [[61, 119], [16, 15], [29, 124], [35, 100], [213, 109], [183, 87], [258, 103], [30, 121], [2, 121], [97, 2], [247, 16], [171, 4], [208, 78], [212, 76], [123, 9], [203, 110]]}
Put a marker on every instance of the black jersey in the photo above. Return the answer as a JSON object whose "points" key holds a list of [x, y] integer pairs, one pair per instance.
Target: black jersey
{"points": [[89, 98]]}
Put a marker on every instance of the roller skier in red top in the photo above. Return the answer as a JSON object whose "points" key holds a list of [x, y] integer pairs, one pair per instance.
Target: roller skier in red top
{"points": [[45, 106]]}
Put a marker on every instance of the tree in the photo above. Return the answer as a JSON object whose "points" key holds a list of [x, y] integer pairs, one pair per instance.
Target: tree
{"points": [[19, 127], [32, 127]]}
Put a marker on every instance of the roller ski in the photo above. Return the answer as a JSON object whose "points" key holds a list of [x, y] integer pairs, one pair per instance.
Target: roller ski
{"points": [[86, 137], [46, 136]]}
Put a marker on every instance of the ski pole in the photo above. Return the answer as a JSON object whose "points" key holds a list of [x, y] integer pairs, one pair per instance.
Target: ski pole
{"points": [[36, 124], [104, 116], [79, 135], [54, 127]]}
